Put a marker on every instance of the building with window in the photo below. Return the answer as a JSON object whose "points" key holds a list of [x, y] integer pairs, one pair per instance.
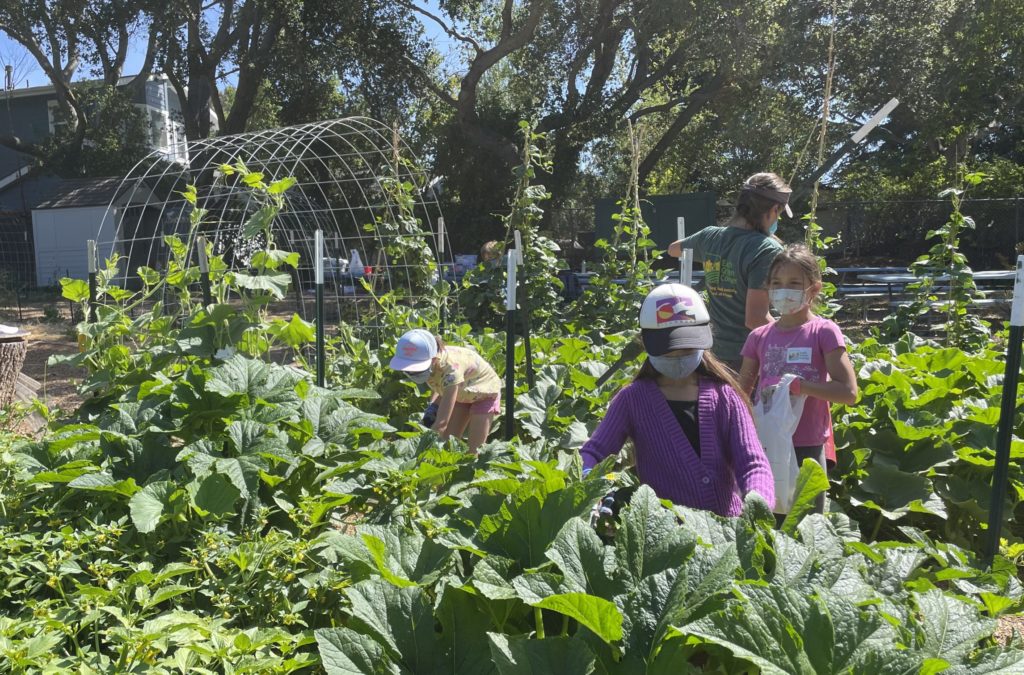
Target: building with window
{"points": [[46, 219]]}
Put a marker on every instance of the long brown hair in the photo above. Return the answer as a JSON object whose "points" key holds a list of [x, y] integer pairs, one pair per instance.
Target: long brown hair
{"points": [[751, 207], [710, 367]]}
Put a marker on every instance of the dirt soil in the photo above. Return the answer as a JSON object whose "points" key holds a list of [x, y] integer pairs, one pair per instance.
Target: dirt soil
{"points": [[1007, 626]]}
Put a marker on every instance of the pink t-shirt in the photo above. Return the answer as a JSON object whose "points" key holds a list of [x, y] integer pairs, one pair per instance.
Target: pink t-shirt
{"points": [[801, 351]]}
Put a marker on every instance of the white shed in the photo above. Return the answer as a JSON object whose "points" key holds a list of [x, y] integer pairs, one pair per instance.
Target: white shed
{"points": [[62, 224]]}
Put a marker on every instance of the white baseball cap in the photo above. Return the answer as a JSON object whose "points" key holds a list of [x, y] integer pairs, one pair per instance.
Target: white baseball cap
{"points": [[414, 351], [673, 316]]}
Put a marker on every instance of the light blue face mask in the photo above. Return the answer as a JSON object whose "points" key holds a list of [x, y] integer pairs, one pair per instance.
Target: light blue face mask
{"points": [[677, 367], [774, 226], [420, 377]]}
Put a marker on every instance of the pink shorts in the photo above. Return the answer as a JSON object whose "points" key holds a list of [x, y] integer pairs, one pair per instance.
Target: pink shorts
{"points": [[485, 406]]}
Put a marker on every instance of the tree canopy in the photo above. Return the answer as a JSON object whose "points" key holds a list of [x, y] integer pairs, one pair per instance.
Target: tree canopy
{"points": [[718, 90]]}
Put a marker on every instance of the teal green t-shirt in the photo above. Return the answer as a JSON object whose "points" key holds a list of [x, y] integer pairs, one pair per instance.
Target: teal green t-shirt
{"points": [[735, 260]]}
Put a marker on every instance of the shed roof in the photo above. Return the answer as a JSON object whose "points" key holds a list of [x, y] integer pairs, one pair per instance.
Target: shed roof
{"points": [[80, 192]]}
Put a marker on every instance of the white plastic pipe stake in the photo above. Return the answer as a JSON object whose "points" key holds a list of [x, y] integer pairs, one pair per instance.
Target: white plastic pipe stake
{"points": [[519, 247], [90, 252], [440, 235], [686, 267], [204, 263], [1017, 309], [680, 228], [862, 133], [319, 253], [510, 285]]}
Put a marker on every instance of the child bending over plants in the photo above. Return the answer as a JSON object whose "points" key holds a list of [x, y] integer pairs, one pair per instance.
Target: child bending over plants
{"points": [[689, 421], [802, 344], [465, 390]]}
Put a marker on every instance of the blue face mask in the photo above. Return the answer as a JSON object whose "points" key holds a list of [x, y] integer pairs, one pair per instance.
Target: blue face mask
{"points": [[420, 377], [774, 226], [677, 367]]}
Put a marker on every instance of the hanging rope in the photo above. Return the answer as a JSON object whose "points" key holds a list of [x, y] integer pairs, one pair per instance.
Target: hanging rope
{"points": [[825, 106]]}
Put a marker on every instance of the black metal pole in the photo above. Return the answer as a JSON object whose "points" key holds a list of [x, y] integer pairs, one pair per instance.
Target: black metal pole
{"points": [[90, 252], [524, 303], [510, 373], [1006, 416], [320, 351], [442, 309], [204, 271]]}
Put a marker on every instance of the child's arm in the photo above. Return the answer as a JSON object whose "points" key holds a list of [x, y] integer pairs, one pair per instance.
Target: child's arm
{"points": [[610, 434], [445, 406], [842, 388], [748, 374]]}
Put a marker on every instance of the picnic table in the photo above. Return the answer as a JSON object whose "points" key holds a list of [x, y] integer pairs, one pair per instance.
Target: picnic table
{"points": [[902, 279]]}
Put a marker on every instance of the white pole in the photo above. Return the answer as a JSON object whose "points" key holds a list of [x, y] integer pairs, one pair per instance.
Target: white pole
{"points": [[510, 284], [680, 235], [519, 247], [862, 133], [204, 263], [686, 270], [1017, 309], [319, 254], [90, 252], [440, 236]]}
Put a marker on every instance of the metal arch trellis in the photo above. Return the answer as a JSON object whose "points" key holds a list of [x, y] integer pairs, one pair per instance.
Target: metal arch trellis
{"points": [[356, 180]]}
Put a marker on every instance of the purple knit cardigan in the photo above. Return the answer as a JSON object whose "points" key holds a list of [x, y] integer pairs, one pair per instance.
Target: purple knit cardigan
{"points": [[731, 461]]}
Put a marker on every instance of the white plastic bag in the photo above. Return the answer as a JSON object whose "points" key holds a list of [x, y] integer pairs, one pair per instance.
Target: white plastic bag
{"points": [[776, 420]]}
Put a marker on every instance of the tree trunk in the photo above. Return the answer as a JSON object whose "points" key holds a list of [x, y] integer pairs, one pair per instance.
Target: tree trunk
{"points": [[12, 358]]}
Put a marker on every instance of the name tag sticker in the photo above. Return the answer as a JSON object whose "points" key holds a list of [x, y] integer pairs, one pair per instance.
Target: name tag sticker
{"points": [[798, 355]]}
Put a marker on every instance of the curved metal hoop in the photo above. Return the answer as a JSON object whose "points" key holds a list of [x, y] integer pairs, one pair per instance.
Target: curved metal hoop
{"points": [[356, 180]]}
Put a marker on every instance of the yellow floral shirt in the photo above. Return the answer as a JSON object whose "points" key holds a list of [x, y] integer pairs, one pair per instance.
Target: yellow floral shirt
{"points": [[460, 365]]}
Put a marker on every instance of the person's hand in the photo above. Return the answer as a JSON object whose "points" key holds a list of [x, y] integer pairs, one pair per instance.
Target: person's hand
{"points": [[675, 249], [602, 516], [430, 415]]}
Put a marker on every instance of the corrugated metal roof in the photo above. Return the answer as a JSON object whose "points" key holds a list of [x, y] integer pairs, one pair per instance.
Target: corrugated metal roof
{"points": [[79, 192]]}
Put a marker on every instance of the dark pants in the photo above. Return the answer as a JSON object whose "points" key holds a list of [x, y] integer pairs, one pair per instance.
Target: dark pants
{"points": [[817, 453]]}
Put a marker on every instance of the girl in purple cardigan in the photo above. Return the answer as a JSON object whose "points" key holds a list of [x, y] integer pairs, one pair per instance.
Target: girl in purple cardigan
{"points": [[688, 419]]}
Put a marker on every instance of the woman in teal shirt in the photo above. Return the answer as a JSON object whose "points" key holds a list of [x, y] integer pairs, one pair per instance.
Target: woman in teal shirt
{"points": [[736, 259]]}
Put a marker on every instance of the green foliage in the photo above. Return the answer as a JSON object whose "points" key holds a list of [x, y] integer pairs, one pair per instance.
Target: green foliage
{"points": [[918, 448], [482, 297], [945, 283], [116, 137]]}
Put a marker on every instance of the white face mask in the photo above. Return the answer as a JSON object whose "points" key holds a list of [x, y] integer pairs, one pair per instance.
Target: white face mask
{"points": [[677, 367], [419, 378], [788, 300]]}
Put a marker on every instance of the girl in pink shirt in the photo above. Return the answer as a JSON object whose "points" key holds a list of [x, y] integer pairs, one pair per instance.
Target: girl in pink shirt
{"points": [[800, 343]]}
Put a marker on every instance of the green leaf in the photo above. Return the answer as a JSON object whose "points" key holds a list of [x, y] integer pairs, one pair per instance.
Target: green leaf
{"points": [[275, 284], [294, 333], [810, 482], [74, 290], [648, 540], [346, 652], [259, 222], [148, 505], [216, 494], [280, 186], [599, 615], [464, 624], [951, 627], [553, 656], [586, 562], [401, 619]]}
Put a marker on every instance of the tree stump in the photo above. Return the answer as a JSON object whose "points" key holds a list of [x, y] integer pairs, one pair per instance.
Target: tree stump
{"points": [[12, 358]]}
